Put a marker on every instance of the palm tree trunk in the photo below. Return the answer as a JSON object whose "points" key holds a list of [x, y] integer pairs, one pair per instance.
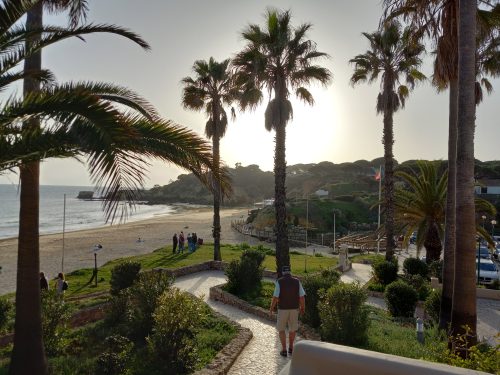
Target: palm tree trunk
{"points": [[464, 313], [432, 244], [28, 355], [388, 141], [449, 232], [282, 249], [217, 194]]}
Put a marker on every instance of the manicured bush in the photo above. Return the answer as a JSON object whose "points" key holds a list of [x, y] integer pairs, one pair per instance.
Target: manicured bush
{"points": [[385, 272], [113, 361], [245, 275], [436, 269], [314, 285], [415, 266], [176, 319], [433, 305], [420, 284], [55, 316], [6, 308], [142, 301], [401, 299], [123, 276], [344, 316]]}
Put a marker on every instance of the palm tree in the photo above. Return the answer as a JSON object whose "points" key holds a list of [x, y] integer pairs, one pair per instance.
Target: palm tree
{"points": [[396, 54], [278, 58], [420, 206], [464, 313], [24, 44], [438, 20], [212, 89]]}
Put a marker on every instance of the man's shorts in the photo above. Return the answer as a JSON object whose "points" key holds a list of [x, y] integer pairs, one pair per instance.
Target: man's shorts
{"points": [[288, 317]]}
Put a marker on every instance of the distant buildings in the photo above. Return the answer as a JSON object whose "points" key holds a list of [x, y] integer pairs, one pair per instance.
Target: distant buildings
{"points": [[487, 187]]}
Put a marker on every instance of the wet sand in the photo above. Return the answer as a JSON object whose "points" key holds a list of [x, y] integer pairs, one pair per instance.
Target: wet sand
{"points": [[117, 241]]}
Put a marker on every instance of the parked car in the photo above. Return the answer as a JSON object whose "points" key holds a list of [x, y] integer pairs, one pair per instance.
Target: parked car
{"points": [[484, 253], [488, 272]]}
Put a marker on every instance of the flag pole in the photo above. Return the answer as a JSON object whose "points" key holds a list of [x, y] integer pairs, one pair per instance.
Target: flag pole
{"points": [[63, 233], [379, 198]]}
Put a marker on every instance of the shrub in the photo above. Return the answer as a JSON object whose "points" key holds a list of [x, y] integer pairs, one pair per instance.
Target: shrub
{"points": [[436, 269], [123, 276], [385, 271], [314, 285], [401, 299], [415, 266], [6, 308], [117, 312], [433, 305], [244, 275], [420, 284], [142, 300], [113, 361], [55, 316], [376, 287], [176, 320], [344, 316]]}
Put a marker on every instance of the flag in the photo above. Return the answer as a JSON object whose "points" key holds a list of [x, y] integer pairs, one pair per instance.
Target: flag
{"points": [[377, 173]]}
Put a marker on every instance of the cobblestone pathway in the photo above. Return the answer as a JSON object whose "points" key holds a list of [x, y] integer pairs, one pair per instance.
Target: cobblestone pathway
{"points": [[261, 355]]}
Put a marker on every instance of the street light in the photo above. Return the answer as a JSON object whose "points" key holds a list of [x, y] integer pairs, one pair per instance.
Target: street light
{"points": [[493, 223], [484, 218]]}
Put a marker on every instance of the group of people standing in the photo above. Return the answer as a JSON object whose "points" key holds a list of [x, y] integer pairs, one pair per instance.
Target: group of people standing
{"points": [[178, 242], [60, 285]]}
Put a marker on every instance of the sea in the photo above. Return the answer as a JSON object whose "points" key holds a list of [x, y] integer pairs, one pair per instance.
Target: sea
{"points": [[79, 214]]}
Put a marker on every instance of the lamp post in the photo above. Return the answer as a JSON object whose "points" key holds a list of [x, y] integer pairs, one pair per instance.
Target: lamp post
{"points": [[493, 223], [484, 218], [478, 258]]}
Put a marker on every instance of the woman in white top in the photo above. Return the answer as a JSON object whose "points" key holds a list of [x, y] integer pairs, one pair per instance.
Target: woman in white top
{"points": [[60, 283]]}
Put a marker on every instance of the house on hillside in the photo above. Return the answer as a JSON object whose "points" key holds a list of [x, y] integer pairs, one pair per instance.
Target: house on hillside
{"points": [[321, 193], [487, 187]]}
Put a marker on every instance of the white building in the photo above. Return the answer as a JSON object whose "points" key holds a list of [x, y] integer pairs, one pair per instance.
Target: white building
{"points": [[487, 187]]}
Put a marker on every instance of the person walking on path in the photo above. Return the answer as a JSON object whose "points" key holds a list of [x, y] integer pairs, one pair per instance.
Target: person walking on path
{"points": [[44, 283], [174, 243], [181, 242], [289, 296]]}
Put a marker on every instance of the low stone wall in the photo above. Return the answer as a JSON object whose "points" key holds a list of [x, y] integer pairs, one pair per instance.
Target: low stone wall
{"points": [[218, 294], [480, 292], [229, 353]]}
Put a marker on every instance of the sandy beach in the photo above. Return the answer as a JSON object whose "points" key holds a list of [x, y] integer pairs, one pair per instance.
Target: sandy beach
{"points": [[117, 241]]}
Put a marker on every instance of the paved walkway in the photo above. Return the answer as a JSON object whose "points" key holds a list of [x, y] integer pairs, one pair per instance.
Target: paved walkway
{"points": [[261, 355]]}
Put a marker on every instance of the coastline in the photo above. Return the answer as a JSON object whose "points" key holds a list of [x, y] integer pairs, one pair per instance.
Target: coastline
{"points": [[118, 240]]}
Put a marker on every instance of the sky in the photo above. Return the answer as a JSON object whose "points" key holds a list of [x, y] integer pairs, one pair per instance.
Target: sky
{"points": [[342, 126]]}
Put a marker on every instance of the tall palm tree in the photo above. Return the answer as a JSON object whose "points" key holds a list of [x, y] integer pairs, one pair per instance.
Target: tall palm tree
{"points": [[420, 206], [464, 313], [277, 58], [396, 54], [24, 44], [438, 20], [212, 88]]}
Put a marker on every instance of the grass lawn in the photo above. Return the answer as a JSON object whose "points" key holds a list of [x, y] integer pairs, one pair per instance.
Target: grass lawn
{"points": [[366, 258], [79, 280]]}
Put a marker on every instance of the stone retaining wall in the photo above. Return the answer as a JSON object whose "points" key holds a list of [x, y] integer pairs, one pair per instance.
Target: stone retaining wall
{"points": [[218, 294]]}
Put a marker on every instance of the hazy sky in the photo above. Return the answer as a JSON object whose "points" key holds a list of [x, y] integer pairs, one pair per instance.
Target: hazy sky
{"points": [[342, 126]]}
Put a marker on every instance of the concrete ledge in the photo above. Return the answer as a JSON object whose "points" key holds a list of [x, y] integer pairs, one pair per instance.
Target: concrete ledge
{"points": [[319, 358], [480, 292]]}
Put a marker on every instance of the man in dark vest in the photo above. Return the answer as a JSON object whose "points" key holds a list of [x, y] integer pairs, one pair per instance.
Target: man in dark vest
{"points": [[174, 243], [289, 296]]}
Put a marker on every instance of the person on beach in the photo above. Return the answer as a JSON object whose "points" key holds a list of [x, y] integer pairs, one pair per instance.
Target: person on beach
{"points": [[289, 296], [190, 243], [181, 242], [174, 243], [195, 241], [61, 284], [44, 283]]}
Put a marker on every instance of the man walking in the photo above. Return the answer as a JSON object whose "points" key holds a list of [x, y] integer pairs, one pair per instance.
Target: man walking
{"points": [[289, 295]]}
